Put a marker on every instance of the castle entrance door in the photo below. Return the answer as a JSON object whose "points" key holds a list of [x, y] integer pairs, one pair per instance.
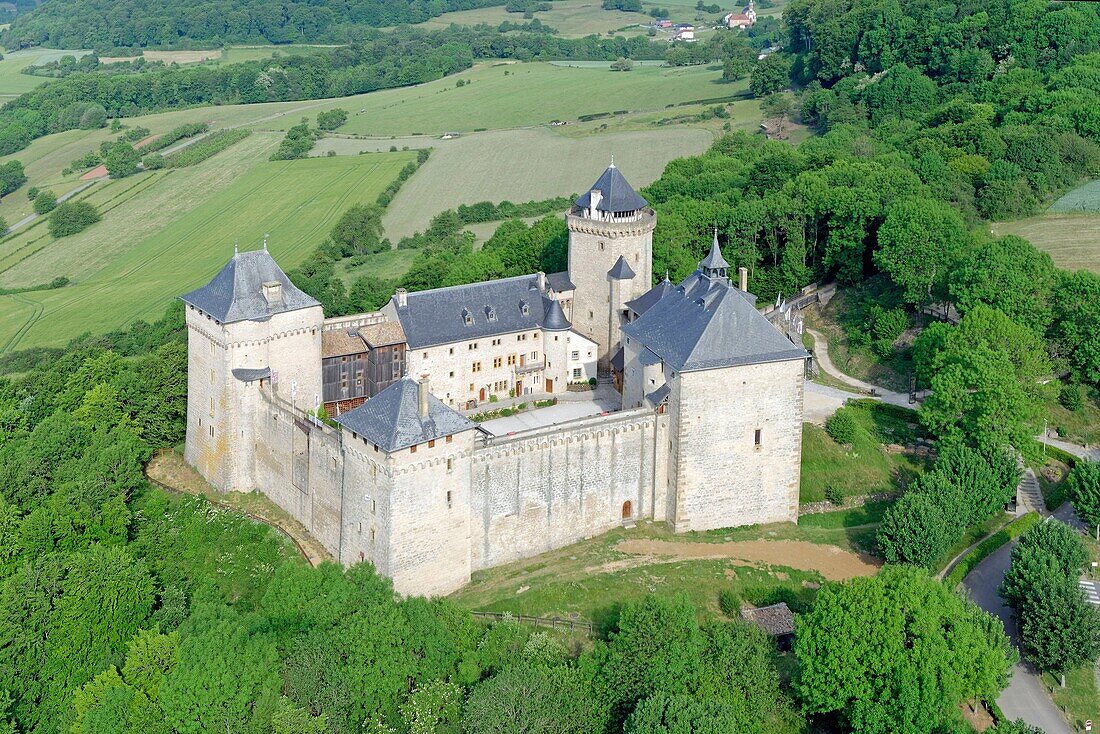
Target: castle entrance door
{"points": [[549, 385], [481, 395], [628, 510]]}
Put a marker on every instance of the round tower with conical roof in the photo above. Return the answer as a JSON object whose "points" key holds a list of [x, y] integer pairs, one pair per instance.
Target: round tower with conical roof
{"points": [[610, 226]]}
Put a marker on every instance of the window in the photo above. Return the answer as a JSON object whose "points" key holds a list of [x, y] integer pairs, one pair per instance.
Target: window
{"points": [[431, 444], [451, 350], [602, 247], [590, 315], [412, 449], [535, 335], [576, 373], [343, 359], [211, 347], [211, 431], [496, 342], [449, 438], [498, 361], [425, 355], [575, 355], [372, 536], [334, 463], [373, 507], [475, 367], [450, 463], [534, 356], [757, 437], [555, 337], [636, 258], [451, 373], [471, 387], [448, 498], [211, 375], [211, 406], [511, 359]]}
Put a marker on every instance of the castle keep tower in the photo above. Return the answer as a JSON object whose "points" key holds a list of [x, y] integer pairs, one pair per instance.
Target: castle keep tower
{"points": [[610, 258], [248, 327]]}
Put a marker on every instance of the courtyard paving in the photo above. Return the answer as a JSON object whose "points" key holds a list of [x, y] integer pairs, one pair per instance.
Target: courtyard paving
{"points": [[569, 408]]}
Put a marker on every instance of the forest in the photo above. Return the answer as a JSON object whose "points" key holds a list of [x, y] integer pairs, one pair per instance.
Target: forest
{"points": [[109, 24]]}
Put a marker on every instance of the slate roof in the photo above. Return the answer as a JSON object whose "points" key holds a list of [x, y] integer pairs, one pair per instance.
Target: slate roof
{"points": [[620, 270], [618, 360], [617, 194], [554, 317], [642, 303], [251, 374], [392, 420], [236, 292], [714, 259], [647, 358], [775, 620], [560, 282], [658, 396], [493, 307], [707, 323]]}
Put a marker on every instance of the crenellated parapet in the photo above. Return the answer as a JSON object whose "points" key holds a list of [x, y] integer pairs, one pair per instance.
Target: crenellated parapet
{"points": [[635, 224]]}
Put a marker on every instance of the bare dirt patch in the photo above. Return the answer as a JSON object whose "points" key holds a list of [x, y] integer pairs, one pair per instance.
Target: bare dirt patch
{"points": [[835, 564], [97, 172]]}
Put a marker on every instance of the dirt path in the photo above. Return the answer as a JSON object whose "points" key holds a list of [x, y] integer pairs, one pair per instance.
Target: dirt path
{"points": [[821, 355], [835, 564], [168, 470]]}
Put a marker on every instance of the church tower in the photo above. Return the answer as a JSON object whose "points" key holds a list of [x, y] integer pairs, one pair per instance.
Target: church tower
{"points": [[610, 258]]}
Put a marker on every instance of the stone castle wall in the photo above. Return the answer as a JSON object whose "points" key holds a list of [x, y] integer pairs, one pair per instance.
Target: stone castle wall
{"points": [[547, 488]]}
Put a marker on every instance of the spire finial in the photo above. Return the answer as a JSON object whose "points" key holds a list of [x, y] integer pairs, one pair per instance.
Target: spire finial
{"points": [[612, 161], [266, 235], [236, 244]]}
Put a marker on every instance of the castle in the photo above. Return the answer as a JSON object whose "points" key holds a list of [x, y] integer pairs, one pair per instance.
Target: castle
{"points": [[708, 434]]}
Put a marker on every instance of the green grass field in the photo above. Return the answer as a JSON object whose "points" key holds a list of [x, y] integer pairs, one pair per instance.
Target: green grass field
{"points": [[12, 82], [522, 165], [571, 18], [507, 95], [1084, 198], [161, 254], [1072, 239]]}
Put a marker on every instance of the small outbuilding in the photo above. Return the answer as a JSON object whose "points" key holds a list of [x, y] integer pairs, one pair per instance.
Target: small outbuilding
{"points": [[775, 620]]}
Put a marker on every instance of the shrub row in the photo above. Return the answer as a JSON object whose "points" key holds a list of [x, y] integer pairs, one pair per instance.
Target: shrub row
{"points": [[983, 550], [201, 150], [175, 135]]}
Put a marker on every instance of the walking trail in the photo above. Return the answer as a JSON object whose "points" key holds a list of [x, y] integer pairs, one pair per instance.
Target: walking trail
{"points": [[825, 364]]}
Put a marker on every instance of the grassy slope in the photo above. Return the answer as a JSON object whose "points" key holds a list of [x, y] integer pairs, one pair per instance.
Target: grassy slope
{"points": [[295, 201], [12, 82], [866, 467], [1072, 239], [530, 94], [571, 18]]}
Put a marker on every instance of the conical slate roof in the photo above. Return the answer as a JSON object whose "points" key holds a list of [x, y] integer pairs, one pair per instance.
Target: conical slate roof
{"points": [[236, 292], [620, 270], [392, 421], [616, 194], [553, 317], [714, 259]]}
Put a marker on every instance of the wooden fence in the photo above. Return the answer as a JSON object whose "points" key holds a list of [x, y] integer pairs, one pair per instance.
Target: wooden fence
{"points": [[547, 622]]}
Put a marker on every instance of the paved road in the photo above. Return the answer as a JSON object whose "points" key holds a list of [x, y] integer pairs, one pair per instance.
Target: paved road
{"points": [[31, 217], [1081, 452], [1025, 697]]}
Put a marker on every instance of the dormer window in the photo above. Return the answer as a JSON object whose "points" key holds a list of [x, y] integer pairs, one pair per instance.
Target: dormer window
{"points": [[524, 308], [467, 317], [490, 313]]}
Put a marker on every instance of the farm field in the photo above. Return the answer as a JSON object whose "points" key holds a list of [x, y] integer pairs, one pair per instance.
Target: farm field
{"points": [[571, 18], [12, 82], [1073, 240], [506, 95], [295, 201], [523, 165]]}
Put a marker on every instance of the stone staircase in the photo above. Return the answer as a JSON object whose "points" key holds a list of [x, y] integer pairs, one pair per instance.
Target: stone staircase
{"points": [[1028, 494]]}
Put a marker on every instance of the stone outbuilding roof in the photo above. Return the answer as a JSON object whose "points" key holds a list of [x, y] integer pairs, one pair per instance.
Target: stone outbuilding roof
{"points": [[251, 374], [776, 620], [620, 270], [385, 334], [341, 342], [707, 323], [476, 311], [392, 419], [237, 292], [616, 195]]}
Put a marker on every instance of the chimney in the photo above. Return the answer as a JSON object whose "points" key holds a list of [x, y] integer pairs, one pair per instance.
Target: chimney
{"points": [[594, 198], [542, 282], [422, 391], [402, 296], [273, 292], [743, 279]]}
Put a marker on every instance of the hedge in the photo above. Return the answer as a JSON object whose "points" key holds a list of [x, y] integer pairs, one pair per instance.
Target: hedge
{"points": [[984, 549]]}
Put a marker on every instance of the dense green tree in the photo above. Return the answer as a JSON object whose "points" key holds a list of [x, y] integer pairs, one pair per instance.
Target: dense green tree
{"points": [[45, 202], [919, 242], [331, 119], [1009, 274], [1059, 629], [662, 713], [984, 379], [1084, 488], [556, 700], [866, 646], [122, 160], [72, 217], [770, 75], [916, 530], [11, 177], [1076, 301]]}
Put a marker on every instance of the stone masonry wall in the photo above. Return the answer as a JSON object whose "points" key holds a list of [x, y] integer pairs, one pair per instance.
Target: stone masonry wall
{"points": [[722, 477], [548, 488]]}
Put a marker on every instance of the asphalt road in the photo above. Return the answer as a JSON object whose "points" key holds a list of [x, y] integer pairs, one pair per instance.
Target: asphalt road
{"points": [[1025, 697]]}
